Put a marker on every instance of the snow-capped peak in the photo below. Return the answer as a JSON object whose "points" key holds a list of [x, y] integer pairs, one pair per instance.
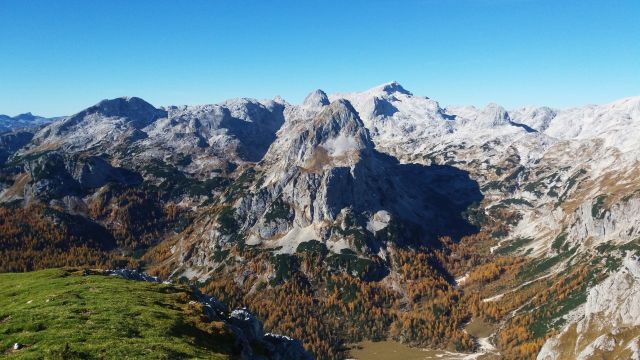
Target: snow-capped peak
{"points": [[494, 115], [390, 88]]}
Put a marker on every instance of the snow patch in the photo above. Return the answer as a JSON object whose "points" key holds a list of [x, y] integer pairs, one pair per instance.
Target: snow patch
{"points": [[341, 145]]}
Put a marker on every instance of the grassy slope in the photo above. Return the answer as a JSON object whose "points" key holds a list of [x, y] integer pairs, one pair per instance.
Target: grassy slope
{"points": [[103, 317]]}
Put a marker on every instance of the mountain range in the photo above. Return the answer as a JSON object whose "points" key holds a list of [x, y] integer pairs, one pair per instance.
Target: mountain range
{"points": [[373, 215]]}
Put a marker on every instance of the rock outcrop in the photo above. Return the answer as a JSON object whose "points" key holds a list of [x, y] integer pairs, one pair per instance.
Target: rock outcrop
{"points": [[610, 327], [241, 322]]}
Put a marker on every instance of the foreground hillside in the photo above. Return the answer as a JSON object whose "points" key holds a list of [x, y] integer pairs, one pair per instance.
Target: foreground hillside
{"points": [[65, 314]]}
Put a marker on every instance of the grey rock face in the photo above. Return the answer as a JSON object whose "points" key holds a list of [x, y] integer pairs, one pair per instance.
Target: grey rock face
{"points": [[618, 222], [54, 175], [316, 99], [248, 323], [11, 142], [286, 348], [611, 320], [94, 172]]}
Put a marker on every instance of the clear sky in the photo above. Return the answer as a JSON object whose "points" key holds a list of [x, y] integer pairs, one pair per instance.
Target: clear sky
{"points": [[61, 56]]}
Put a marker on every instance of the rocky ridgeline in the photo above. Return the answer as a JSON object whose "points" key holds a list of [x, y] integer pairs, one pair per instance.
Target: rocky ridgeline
{"points": [[124, 141], [23, 122]]}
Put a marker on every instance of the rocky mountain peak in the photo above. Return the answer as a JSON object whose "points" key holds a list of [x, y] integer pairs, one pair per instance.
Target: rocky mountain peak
{"points": [[135, 111], [492, 115], [391, 88], [140, 112], [334, 136], [496, 111], [316, 99], [339, 116], [132, 111], [341, 133], [25, 117]]}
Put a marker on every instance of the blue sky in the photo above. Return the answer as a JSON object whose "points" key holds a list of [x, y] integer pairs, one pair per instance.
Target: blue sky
{"points": [[61, 56]]}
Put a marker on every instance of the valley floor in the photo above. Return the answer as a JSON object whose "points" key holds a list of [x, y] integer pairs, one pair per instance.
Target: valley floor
{"points": [[385, 350]]}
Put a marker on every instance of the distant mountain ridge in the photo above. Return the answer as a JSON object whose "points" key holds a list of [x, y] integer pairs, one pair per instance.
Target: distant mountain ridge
{"points": [[23, 121]]}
